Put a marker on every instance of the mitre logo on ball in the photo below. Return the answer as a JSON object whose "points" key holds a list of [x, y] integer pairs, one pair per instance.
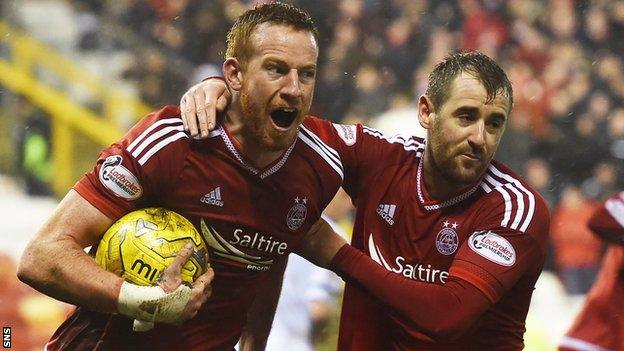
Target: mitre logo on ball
{"points": [[142, 244]]}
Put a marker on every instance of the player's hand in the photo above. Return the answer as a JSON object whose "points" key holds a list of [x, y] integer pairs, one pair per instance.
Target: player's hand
{"points": [[321, 244], [169, 301], [201, 104]]}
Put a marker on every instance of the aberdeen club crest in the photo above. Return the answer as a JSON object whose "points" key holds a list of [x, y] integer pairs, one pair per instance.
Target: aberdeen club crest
{"points": [[297, 214], [447, 240]]}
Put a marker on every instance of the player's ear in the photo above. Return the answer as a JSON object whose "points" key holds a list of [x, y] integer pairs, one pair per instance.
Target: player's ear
{"points": [[426, 112], [233, 73]]}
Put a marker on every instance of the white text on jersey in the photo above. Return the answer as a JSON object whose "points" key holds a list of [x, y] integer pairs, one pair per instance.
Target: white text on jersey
{"points": [[419, 272], [259, 242], [413, 271], [387, 212]]}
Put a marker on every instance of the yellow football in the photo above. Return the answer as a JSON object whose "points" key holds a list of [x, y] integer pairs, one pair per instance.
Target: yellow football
{"points": [[141, 244]]}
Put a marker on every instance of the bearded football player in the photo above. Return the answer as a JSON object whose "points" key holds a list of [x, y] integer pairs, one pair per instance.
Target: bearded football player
{"points": [[448, 243], [253, 189]]}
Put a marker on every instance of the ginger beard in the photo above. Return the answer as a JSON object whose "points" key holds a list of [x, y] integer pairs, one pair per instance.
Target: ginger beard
{"points": [[260, 125]]}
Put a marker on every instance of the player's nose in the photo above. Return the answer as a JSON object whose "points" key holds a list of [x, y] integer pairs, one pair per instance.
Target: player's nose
{"points": [[477, 134], [292, 84]]}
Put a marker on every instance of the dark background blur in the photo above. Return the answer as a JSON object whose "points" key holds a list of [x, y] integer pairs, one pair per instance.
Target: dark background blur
{"points": [[564, 58]]}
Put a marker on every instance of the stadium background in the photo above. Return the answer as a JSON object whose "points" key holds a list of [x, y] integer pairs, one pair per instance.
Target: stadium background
{"points": [[75, 74]]}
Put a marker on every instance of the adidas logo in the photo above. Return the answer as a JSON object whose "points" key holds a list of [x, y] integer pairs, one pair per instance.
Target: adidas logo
{"points": [[387, 212], [213, 197]]}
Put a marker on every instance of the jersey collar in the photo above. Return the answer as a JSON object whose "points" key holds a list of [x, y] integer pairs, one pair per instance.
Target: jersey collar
{"points": [[231, 145], [432, 205]]}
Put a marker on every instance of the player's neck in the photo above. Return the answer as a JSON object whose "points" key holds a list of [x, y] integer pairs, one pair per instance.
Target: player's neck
{"points": [[247, 143], [437, 185]]}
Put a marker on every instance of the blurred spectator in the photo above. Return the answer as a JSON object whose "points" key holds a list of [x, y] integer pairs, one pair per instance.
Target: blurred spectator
{"points": [[577, 251], [602, 183], [483, 30], [538, 174], [563, 57], [369, 98], [33, 146], [615, 133]]}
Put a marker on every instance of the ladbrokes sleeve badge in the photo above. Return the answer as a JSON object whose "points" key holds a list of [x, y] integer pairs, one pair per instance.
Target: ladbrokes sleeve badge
{"points": [[119, 180], [493, 247], [348, 133]]}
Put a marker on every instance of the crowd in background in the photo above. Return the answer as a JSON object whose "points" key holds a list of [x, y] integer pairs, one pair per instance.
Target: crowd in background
{"points": [[566, 133], [564, 58]]}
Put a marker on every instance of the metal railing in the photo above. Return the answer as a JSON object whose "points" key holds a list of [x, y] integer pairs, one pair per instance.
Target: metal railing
{"points": [[24, 57]]}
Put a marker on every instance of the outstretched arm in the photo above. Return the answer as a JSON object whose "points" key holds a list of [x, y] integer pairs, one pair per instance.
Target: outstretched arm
{"points": [[426, 305]]}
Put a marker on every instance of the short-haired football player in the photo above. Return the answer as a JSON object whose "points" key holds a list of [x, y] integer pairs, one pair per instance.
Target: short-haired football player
{"points": [[448, 243], [253, 188]]}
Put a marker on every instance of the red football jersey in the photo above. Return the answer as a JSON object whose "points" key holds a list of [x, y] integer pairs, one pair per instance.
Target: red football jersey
{"points": [[600, 325], [249, 217], [493, 236]]}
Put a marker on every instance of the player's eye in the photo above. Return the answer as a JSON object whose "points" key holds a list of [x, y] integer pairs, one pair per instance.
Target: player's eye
{"points": [[276, 69], [465, 118], [308, 74], [496, 123]]}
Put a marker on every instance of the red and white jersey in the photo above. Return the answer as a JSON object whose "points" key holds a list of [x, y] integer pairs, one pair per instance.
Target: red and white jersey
{"points": [[493, 236], [600, 325], [250, 218]]}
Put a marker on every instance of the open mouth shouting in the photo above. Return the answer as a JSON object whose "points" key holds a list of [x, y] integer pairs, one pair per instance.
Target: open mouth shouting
{"points": [[284, 117]]}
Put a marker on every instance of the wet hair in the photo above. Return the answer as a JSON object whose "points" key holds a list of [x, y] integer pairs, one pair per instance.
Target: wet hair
{"points": [[480, 66], [238, 38]]}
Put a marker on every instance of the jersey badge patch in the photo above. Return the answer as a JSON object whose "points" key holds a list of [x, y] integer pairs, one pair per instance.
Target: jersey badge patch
{"points": [[348, 133], [493, 247], [447, 240], [297, 214], [119, 180]]}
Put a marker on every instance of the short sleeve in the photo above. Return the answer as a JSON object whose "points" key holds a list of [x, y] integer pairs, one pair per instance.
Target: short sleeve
{"points": [[496, 256], [134, 171]]}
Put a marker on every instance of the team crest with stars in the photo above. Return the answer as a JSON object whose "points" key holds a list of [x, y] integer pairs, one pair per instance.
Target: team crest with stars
{"points": [[447, 240], [297, 214]]}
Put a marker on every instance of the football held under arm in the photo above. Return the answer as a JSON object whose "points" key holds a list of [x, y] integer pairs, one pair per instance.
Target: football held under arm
{"points": [[55, 263]]}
